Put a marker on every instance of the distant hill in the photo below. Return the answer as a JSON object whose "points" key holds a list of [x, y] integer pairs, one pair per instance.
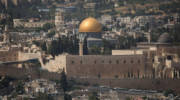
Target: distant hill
{"points": [[28, 8], [17, 2], [19, 8]]}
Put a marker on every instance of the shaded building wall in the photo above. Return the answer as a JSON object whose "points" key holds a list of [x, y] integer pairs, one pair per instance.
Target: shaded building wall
{"points": [[168, 57], [172, 50], [9, 56], [23, 73], [97, 66]]}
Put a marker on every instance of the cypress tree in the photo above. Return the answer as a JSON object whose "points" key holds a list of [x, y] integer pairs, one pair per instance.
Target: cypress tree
{"points": [[63, 81]]}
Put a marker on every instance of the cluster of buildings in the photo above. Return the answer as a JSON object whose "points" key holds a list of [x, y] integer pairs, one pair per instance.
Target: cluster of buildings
{"points": [[138, 25], [49, 88], [31, 23], [105, 93], [42, 86], [147, 60], [115, 26], [32, 89]]}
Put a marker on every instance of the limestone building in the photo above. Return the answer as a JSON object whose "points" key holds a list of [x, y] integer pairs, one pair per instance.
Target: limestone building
{"points": [[29, 24], [5, 36], [147, 60], [59, 20], [158, 61]]}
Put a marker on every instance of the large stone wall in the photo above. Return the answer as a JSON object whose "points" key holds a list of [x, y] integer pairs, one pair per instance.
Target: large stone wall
{"points": [[101, 66], [8, 56], [22, 73], [156, 84], [150, 84]]}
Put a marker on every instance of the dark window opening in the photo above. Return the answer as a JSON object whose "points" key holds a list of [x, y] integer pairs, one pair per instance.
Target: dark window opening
{"points": [[102, 61], [116, 76], [99, 75], [110, 61], [72, 62], [139, 61], [169, 58], [152, 60], [132, 61], [94, 62], [124, 61], [117, 61]]}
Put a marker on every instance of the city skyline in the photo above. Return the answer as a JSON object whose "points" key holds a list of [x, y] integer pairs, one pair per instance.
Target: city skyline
{"points": [[89, 49]]}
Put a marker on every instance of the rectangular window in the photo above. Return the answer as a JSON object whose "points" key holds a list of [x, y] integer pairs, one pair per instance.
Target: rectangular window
{"points": [[95, 62], [117, 61]]}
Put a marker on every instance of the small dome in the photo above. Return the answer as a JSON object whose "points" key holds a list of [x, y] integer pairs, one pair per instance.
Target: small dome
{"points": [[164, 38], [90, 25]]}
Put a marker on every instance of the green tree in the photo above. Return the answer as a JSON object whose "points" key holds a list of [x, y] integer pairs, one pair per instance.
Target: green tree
{"points": [[47, 26], [64, 44], [174, 34], [93, 96], [43, 96], [67, 97], [94, 50], [44, 47], [4, 83], [167, 92], [108, 46], [51, 34], [64, 85], [36, 43], [144, 97], [63, 81], [20, 87], [125, 42], [85, 48], [53, 48]]}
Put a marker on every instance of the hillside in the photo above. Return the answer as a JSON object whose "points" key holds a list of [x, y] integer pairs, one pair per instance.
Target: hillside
{"points": [[28, 8]]}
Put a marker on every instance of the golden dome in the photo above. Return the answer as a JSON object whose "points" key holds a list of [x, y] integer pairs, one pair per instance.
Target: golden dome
{"points": [[90, 25]]}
